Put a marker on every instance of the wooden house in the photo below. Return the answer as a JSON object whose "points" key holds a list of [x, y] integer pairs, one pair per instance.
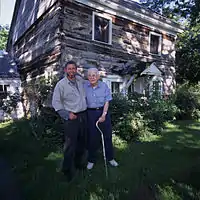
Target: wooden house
{"points": [[128, 43]]}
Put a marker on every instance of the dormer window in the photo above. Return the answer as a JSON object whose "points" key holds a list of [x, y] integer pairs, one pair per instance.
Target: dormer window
{"points": [[155, 43], [102, 28]]}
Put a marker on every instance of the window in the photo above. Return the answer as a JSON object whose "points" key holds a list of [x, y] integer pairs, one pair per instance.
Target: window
{"points": [[3, 91], [157, 88], [131, 89], [102, 28], [155, 43], [115, 87], [114, 82]]}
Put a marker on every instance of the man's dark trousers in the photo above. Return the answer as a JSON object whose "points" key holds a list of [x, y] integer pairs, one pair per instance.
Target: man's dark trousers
{"points": [[94, 136], [75, 142]]}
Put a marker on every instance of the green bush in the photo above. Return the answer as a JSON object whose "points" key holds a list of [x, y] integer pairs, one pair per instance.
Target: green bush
{"points": [[188, 101], [159, 111], [131, 127], [48, 126], [136, 115]]}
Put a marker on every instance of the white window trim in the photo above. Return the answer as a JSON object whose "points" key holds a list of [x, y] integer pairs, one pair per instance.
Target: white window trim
{"points": [[160, 43], [110, 27], [114, 78]]}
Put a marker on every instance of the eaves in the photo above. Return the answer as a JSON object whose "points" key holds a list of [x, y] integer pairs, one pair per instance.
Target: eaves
{"points": [[154, 22]]}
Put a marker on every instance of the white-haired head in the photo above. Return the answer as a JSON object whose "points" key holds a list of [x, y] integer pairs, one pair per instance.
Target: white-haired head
{"points": [[93, 76], [93, 70]]}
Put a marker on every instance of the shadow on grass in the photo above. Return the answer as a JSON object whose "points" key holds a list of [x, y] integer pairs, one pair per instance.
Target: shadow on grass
{"points": [[143, 165]]}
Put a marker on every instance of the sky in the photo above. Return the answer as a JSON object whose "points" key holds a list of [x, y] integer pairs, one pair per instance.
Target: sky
{"points": [[6, 11]]}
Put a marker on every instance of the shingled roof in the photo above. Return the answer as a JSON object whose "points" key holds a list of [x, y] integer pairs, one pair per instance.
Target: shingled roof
{"points": [[8, 68]]}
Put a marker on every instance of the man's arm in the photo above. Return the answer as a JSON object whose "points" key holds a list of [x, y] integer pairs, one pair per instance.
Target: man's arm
{"points": [[57, 103], [108, 97]]}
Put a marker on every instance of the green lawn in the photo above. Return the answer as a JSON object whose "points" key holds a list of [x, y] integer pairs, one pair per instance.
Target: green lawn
{"points": [[168, 165]]}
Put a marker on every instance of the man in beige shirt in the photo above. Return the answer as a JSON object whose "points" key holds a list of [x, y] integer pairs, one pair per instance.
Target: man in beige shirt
{"points": [[70, 103]]}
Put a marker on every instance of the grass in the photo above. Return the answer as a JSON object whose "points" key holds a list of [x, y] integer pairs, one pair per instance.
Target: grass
{"points": [[167, 165]]}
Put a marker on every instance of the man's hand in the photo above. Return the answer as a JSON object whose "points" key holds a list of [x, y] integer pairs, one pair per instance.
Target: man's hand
{"points": [[72, 116], [102, 118], [63, 114]]}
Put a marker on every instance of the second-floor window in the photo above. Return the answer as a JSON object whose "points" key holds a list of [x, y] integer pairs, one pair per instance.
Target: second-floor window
{"points": [[155, 45], [102, 28]]}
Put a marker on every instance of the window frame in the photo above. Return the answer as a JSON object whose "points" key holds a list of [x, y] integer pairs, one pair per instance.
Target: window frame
{"points": [[110, 27], [159, 45], [4, 93], [160, 81], [114, 78], [112, 86]]}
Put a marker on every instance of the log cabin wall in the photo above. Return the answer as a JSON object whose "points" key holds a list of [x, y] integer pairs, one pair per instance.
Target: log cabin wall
{"points": [[61, 30], [39, 46], [130, 41]]}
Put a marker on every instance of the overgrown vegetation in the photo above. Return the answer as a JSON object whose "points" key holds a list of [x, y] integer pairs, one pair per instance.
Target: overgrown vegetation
{"points": [[136, 116], [188, 101], [164, 167], [3, 36]]}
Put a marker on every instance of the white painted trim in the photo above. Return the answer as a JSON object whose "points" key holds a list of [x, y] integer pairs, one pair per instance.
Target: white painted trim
{"points": [[110, 26], [114, 78], [160, 43], [137, 17]]}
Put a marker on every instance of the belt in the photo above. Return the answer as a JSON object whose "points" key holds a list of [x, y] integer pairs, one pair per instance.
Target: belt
{"points": [[80, 112], [99, 108]]}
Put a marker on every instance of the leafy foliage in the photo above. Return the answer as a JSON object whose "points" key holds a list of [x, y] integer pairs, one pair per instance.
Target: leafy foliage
{"points": [[188, 101], [188, 55], [38, 92], [3, 37], [10, 103], [172, 9], [136, 115]]}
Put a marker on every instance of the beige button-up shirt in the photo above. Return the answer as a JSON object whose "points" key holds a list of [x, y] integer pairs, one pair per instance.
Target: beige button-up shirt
{"points": [[68, 97]]}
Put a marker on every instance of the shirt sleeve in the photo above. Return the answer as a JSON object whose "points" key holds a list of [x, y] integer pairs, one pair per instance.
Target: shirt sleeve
{"points": [[107, 93], [56, 100]]}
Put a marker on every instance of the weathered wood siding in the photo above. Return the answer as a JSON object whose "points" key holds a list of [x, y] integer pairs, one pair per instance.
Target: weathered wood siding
{"points": [[130, 41], [40, 47], [28, 12]]}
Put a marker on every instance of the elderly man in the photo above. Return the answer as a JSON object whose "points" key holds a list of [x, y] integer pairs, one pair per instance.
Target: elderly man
{"points": [[70, 103], [98, 96]]}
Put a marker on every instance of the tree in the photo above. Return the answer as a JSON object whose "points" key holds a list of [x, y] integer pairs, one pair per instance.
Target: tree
{"points": [[174, 9], [188, 54], [4, 30]]}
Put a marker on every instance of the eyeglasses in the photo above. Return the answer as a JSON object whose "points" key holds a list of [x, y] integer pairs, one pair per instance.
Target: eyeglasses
{"points": [[92, 75]]}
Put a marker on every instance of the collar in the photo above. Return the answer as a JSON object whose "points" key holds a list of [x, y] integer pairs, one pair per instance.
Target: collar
{"points": [[98, 85], [70, 82]]}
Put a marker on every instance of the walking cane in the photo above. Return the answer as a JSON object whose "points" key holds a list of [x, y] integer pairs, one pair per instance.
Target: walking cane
{"points": [[103, 145]]}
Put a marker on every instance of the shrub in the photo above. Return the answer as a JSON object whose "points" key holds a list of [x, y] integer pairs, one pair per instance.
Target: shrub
{"points": [[136, 115], [48, 126], [131, 127], [159, 111], [188, 101]]}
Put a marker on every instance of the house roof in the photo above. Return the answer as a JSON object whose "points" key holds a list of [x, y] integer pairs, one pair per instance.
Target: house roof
{"points": [[8, 68], [152, 70]]}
